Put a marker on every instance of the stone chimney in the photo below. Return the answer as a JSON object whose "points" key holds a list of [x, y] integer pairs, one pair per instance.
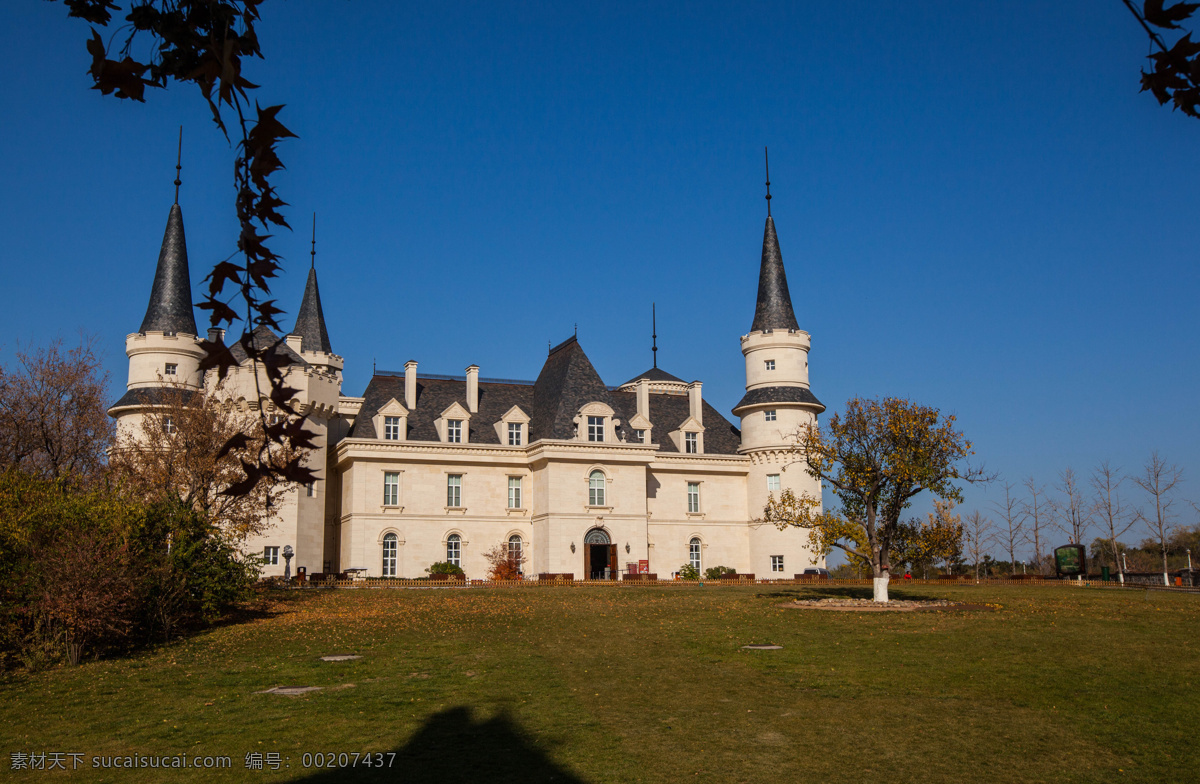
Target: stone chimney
{"points": [[294, 342], [643, 397], [216, 335], [695, 402], [473, 388], [410, 384]]}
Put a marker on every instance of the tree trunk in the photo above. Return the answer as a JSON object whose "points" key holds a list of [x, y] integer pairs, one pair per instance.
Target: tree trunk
{"points": [[881, 587], [1166, 578]]}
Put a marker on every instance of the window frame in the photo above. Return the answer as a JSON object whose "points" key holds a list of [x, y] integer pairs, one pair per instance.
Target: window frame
{"points": [[168, 425], [514, 434], [518, 550], [694, 547], [454, 550], [171, 369], [693, 497], [515, 500], [454, 483], [391, 543], [691, 443], [454, 428], [776, 563], [771, 415], [639, 436], [769, 364], [595, 427], [391, 488], [271, 555], [778, 483], [391, 428], [597, 488]]}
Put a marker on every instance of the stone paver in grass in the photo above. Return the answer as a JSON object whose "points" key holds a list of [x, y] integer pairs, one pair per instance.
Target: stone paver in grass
{"points": [[837, 604], [290, 691], [341, 657], [763, 647]]}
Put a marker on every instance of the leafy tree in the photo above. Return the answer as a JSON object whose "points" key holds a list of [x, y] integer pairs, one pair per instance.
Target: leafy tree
{"points": [[52, 414], [1176, 73], [875, 457], [689, 572], [1159, 481], [504, 563], [195, 447], [204, 43], [715, 572], [937, 539]]}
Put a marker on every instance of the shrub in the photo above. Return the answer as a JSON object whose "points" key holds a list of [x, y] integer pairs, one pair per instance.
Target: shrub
{"points": [[503, 564], [445, 567], [715, 572], [688, 572]]}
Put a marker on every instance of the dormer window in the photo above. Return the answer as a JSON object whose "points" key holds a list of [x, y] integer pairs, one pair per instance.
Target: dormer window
{"points": [[691, 443], [513, 427], [595, 431], [454, 431], [514, 433], [391, 428], [770, 364], [391, 421], [639, 436], [171, 369]]}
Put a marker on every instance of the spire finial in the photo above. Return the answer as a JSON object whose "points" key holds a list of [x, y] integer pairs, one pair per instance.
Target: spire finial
{"points": [[179, 165], [654, 333], [313, 252], [767, 162]]}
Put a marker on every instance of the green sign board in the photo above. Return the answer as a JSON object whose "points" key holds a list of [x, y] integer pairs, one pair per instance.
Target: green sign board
{"points": [[1070, 560]]}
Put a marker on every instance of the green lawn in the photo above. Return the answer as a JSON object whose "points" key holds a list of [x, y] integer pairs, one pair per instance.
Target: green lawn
{"points": [[631, 684]]}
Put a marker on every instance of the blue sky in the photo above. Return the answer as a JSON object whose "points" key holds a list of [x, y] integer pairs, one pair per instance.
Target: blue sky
{"points": [[977, 208]]}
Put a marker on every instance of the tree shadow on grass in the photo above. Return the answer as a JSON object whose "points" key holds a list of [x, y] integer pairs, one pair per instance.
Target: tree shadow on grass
{"points": [[452, 747], [847, 592]]}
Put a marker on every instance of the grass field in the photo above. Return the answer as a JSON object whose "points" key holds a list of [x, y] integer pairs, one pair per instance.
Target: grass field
{"points": [[634, 684]]}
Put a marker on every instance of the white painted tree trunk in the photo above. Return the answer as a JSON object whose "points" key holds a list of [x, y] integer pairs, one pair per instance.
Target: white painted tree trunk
{"points": [[881, 584]]}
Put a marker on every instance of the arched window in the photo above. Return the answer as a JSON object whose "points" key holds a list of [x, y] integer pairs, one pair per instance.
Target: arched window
{"points": [[389, 555], [694, 553], [454, 549], [514, 548], [596, 488]]}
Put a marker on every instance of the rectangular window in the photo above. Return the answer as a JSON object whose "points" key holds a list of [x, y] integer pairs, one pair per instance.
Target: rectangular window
{"points": [[391, 489], [454, 490], [171, 369], [639, 436], [312, 489], [391, 428], [770, 415], [168, 425], [693, 497], [770, 364], [776, 563], [595, 428], [772, 483], [454, 431], [271, 556], [514, 433], [514, 492], [691, 443]]}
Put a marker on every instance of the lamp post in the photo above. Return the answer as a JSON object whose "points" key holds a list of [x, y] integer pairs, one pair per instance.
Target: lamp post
{"points": [[288, 552]]}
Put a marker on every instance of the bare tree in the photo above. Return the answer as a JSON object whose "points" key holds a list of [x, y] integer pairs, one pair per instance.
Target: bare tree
{"points": [[1113, 514], [1012, 516], [1038, 511], [1159, 480], [181, 451], [52, 418], [979, 538], [1074, 516]]}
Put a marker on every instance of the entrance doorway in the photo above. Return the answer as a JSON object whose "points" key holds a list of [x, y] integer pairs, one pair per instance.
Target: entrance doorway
{"points": [[599, 556]]}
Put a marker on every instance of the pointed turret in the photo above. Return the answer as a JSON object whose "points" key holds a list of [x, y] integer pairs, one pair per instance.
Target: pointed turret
{"points": [[774, 307], [170, 308], [310, 323]]}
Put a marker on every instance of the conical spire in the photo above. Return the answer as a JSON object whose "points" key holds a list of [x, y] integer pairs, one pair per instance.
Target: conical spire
{"points": [[310, 323], [170, 308], [774, 308]]}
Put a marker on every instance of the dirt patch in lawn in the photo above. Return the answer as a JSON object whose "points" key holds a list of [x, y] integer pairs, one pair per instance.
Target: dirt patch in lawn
{"points": [[841, 604]]}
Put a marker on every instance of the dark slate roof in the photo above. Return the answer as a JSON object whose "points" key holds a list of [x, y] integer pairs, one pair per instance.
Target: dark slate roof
{"points": [[310, 323], [567, 383], [435, 395], [170, 308], [774, 307], [668, 412], [263, 339], [656, 374], [779, 395], [150, 396]]}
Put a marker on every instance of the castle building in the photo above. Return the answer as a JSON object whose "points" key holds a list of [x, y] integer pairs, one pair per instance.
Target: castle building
{"points": [[580, 477]]}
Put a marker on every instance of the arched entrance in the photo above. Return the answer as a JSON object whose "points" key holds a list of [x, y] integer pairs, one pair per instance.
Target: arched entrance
{"points": [[599, 556]]}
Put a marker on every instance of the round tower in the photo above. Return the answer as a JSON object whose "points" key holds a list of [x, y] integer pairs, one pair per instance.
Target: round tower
{"points": [[165, 352], [777, 404]]}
